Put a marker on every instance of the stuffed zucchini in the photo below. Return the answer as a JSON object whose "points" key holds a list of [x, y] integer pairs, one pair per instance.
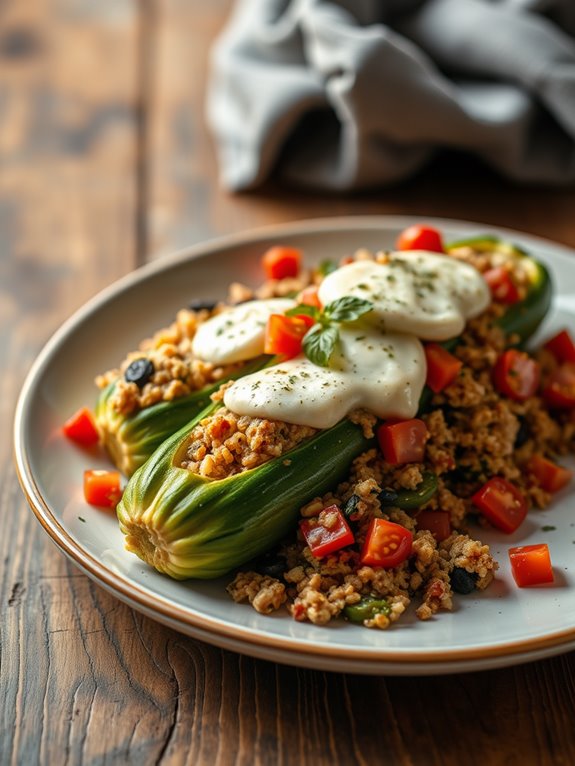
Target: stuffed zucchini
{"points": [[522, 316], [131, 438], [168, 381], [188, 525]]}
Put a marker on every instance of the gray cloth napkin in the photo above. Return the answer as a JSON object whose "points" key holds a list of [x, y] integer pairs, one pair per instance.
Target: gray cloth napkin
{"points": [[342, 95]]}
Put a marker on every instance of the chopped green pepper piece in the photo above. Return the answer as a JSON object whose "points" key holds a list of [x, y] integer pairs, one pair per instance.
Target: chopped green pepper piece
{"points": [[366, 609], [410, 499]]}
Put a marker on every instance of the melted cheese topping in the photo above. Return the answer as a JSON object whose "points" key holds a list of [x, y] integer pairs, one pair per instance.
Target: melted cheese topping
{"points": [[427, 294], [382, 373], [238, 333], [379, 363]]}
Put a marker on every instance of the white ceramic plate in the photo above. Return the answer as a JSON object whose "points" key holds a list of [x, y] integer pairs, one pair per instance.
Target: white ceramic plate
{"points": [[502, 626]]}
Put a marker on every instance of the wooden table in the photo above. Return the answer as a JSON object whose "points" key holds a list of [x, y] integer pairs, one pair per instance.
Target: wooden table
{"points": [[105, 164]]}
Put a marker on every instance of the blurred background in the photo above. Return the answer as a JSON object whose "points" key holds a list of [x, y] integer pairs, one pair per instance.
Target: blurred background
{"points": [[106, 160], [102, 144]]}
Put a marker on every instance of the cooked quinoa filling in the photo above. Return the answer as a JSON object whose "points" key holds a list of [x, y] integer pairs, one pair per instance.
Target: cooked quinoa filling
{"points": [[176, 371], [225, 444], [318, 590]]}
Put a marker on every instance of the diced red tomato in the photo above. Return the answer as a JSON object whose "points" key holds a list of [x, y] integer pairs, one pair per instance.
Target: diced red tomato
{"points": [[102, 488], [531, 565], [502, 504], [327, 532], [386, 545], [309, 297], [437, 522], [299, 612], [435, 589], [559, 390], [549, 475], [280, 262], [284, 334], [81, 428], [420, 237], [503, 288], [306, 319], [442, 367], [562, 347], [516, 375], [403, 441]]}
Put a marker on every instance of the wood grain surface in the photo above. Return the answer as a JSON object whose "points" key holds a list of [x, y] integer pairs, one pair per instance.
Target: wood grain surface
{"points": [[105, 163]]}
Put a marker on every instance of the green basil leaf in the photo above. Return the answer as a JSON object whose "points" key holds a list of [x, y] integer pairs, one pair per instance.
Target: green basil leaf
{"points": [[303, 308], [319, 344], [326, 267], [347, 309]]}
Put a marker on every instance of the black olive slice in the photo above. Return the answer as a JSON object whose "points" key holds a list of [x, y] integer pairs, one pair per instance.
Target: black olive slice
{"points": [[463, 581], [201, 304], [139, 372]]}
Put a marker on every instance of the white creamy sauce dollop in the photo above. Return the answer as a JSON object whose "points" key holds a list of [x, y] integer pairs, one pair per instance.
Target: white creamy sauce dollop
{"points": [[238, 333], [383, 373], [427, 294], [379, 362]]}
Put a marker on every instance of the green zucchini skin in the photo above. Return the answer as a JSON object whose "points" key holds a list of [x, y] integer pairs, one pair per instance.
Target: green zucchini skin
{"points": [[131, 439], [523, 318], [188, 526], [485, 243]]}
